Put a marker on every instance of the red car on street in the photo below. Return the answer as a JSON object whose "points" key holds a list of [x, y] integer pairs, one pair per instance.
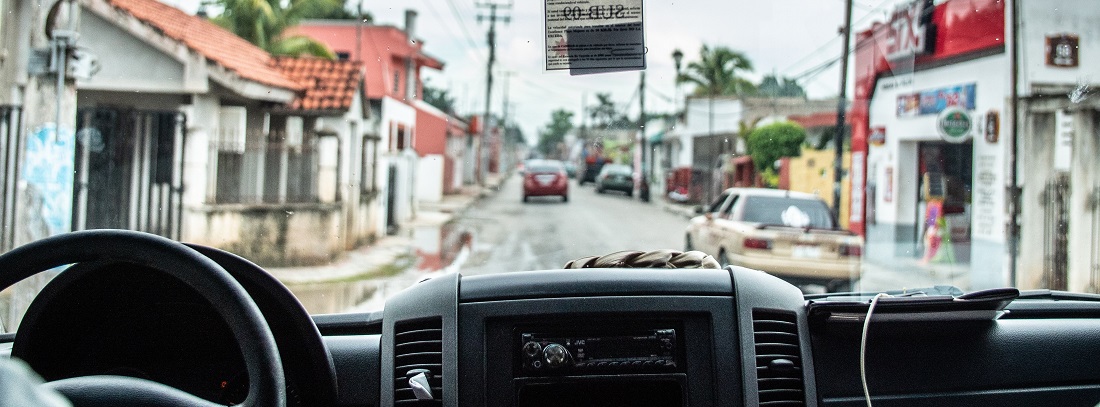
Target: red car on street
{"points": [[545, 178]]}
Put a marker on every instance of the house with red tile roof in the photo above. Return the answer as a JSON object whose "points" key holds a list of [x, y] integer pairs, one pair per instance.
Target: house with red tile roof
{"points": [[217, 142], [393, 82]]}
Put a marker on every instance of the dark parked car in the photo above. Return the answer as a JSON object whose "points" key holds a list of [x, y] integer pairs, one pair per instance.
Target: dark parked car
{"points": [[615, 177], [545, 178], [589, 171]]}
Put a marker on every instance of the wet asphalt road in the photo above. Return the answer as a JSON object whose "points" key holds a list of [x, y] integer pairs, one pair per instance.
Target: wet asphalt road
{"points": [[545, 233]]}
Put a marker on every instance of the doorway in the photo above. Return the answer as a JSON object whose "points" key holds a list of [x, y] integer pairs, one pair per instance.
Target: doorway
{"points": [[946, 176]]}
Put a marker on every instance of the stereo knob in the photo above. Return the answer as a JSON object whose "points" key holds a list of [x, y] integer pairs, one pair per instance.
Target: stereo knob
{"points": [[556, 355], [532, 349]]}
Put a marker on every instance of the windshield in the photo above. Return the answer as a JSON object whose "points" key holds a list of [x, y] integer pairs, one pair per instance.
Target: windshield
{"points": [[616, 169], [797, 213], [546, 167], [354, 148]]}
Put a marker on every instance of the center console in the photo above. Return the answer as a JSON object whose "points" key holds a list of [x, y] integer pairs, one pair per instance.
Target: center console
{"points": [[548, 353], [622, 362]]}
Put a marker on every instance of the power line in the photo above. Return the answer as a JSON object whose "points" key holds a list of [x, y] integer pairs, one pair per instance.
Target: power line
{"points": [[462, 25], [450, 30], [831, 41]]}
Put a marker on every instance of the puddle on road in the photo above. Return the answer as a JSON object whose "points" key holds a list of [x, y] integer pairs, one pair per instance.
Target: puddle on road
{"points": [[435, 249]]}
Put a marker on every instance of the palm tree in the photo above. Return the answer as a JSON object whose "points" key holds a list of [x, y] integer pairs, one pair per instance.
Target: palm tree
{"points": [[717, 73], [263, 22]]}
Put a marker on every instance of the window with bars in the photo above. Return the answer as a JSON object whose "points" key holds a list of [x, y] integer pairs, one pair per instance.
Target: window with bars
{"points": [[277, 166]]}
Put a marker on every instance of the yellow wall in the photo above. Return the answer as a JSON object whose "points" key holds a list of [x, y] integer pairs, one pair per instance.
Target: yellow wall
{"points": [[813, 172]]}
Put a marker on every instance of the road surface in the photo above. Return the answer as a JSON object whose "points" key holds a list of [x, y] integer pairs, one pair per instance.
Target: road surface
{"points": [[545, 233]]}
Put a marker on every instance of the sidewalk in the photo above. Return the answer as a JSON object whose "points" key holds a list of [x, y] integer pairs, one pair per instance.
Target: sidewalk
{"points": [[685, 210], [390, 254]]}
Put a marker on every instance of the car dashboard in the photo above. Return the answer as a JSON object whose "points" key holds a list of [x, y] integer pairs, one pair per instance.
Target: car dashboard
{"points": [[656, 337], [708, 337]]}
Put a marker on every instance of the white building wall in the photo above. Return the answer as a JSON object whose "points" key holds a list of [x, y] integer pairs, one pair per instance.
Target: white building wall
{"points": [[727, 114], [897, 216], [198, 182], [1079, 17], [429, 180], [396, 113]]}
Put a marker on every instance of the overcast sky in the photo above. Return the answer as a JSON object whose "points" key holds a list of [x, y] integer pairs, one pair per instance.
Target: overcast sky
{"points": [[787, 37]]}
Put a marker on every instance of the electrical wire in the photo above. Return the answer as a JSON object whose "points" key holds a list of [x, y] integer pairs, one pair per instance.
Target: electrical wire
{"points": [[462, 25], [830, 42], [863, 347], [473, 46]]}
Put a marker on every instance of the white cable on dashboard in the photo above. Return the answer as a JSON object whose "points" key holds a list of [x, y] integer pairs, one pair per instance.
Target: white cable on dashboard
{"points": [[863, 347]]}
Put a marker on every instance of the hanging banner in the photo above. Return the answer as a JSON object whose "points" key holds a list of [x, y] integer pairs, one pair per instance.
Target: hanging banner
{"points": [[935, 101]]}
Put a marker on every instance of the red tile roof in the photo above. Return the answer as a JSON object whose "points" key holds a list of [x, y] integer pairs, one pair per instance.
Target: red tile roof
{"points": [[329, 85], [209, 40]]}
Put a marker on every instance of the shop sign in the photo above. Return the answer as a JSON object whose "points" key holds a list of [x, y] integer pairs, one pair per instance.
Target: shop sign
{"points": [[1063, 140], [992, 128], [888, 194], [1062, 50], [934, 101], [878, 136], [954, 125], [858, 184], [910, 31]]}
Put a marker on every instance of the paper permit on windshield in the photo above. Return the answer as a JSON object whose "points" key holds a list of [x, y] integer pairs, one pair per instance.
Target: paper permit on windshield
{"points": [[594, 36], [795, 217]]}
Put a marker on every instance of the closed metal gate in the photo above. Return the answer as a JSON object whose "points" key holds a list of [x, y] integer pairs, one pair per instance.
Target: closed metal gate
{"points": [[1055, 201], [11, 120], [129, 171]]}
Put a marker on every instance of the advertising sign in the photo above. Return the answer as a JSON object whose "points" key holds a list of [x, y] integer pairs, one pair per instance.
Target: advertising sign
{"points": [[878, 136], [936, 100], [594, 36], [1063, 140], [954, 125], [910, 31], [1062, 50]]}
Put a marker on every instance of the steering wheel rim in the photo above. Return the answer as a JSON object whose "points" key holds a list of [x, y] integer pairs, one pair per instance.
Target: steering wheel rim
{"points": [[267, 384]]}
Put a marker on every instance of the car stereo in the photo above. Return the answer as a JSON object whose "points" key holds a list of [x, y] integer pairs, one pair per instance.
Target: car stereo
{"points": [[631, 350]]}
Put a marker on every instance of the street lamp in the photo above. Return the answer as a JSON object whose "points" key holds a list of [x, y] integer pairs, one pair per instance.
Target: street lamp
{"points": [[677, 56]]}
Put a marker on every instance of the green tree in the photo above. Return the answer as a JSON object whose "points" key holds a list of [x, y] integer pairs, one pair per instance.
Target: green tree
{"points": [[561, 122], [769, 143], [605, 114], [771, 86], [719, 72], [440, 98], [263, 23]]}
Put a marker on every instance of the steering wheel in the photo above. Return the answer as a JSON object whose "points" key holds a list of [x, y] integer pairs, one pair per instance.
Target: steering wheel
{"points": [[267, 386]]}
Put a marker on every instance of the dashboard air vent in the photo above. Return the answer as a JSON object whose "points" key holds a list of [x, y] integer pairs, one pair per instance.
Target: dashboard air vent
{"points": [[418, 345], [778, 358]]}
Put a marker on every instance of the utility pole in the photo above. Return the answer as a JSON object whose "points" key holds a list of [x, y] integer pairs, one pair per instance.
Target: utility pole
{"points": [[504, 143], [643, 192], [841, 111], [492, 40]]}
